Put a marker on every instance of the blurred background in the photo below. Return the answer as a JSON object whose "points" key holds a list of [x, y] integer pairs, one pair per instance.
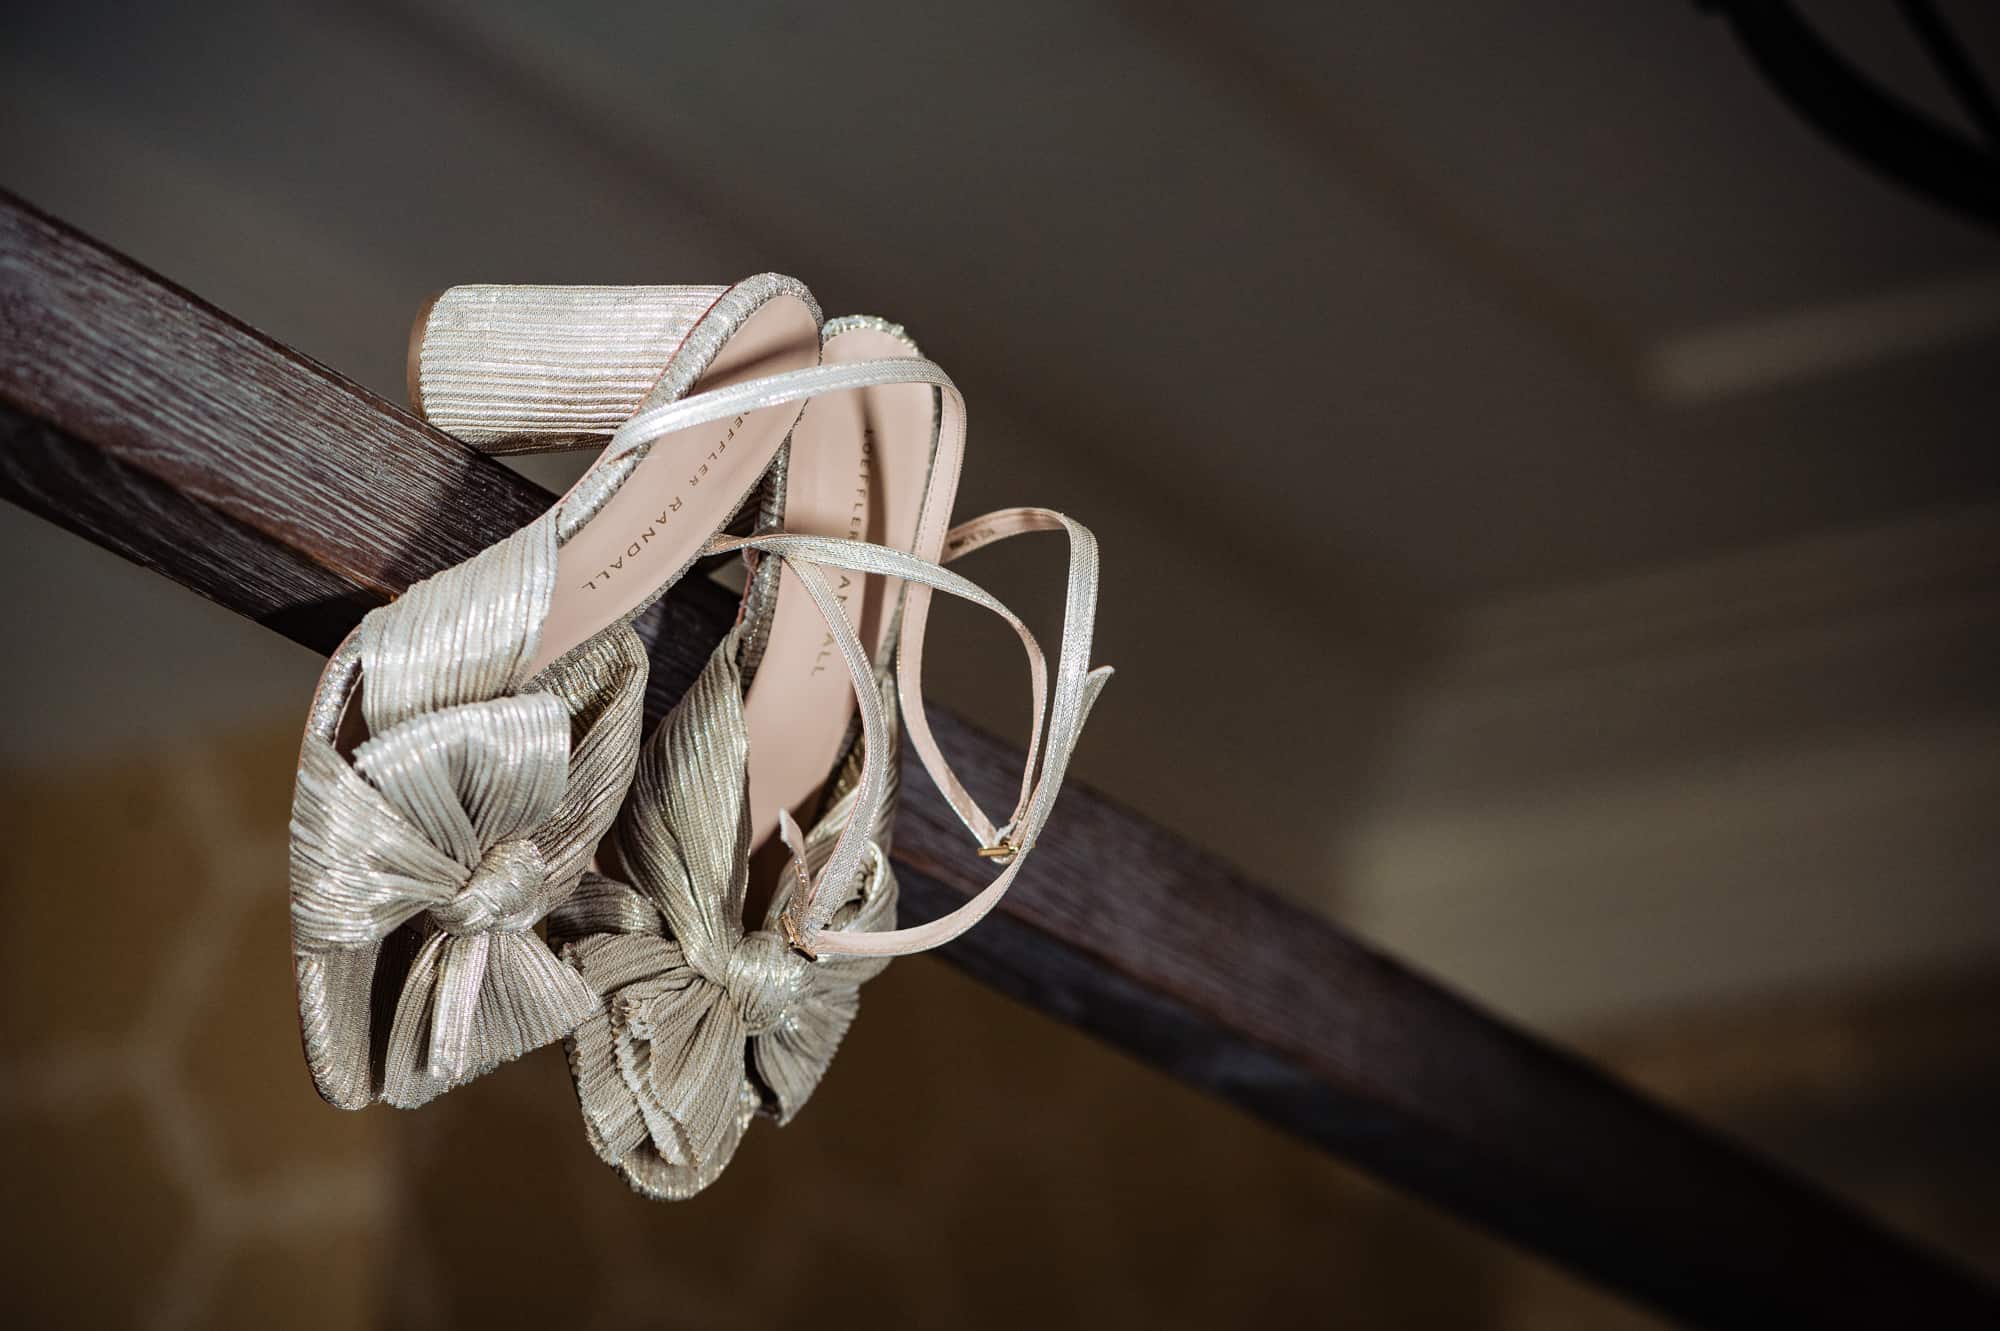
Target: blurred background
{"points": [[1552, 517]]}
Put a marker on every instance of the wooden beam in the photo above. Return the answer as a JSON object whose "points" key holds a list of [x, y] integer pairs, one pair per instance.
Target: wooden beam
{"points": [[154, 425]]}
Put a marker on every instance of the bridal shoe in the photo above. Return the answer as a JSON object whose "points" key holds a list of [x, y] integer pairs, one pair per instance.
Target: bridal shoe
{"points": [[513, 369], [469, 743], [707, 1022]]}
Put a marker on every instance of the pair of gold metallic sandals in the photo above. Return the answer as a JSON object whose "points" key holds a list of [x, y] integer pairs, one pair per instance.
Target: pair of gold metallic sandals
{"points": [[489, 852]]}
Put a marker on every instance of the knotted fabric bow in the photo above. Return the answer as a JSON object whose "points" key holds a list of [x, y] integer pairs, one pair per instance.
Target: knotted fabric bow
{"points": [[470, 810], [704, 1024]]}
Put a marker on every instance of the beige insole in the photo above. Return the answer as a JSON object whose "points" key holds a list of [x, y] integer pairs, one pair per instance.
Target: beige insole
{"points": [[685, 489], [859, 464]]}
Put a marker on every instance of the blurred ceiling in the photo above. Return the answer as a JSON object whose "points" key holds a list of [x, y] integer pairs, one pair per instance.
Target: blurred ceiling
{"points": [[1523, 448], [1408, 292]]}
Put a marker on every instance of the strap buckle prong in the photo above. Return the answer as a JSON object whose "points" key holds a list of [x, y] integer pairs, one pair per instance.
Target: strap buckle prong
{"points": [[1003, 850], [794, 939]]}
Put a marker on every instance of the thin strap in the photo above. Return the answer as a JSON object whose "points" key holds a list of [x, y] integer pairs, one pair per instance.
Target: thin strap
{"points": [[1075, 691], [885, 561], [811, 911], [770, 391]]}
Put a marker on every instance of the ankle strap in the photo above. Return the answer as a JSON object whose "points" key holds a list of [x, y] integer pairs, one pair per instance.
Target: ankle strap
{"points": [[1076, 687]]}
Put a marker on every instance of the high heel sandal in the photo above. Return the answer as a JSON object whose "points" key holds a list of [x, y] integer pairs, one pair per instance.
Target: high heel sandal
{"points": [[469, 743], [707, 1023]]}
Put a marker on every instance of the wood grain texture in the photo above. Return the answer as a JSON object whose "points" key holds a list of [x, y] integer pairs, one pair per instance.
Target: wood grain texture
{"points": [[156, 426]]}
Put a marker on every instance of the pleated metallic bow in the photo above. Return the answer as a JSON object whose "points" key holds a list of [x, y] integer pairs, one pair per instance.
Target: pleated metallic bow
{"points": [[704, 1023], [471, 809]]}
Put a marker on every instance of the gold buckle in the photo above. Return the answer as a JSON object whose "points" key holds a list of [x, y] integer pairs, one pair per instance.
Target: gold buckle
{"points": [[790, 928], [1003, 849]]}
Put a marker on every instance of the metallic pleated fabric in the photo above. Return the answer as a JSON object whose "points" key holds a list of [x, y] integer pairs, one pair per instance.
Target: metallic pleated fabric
{"points": [[704, 1024], [444, 841]]}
